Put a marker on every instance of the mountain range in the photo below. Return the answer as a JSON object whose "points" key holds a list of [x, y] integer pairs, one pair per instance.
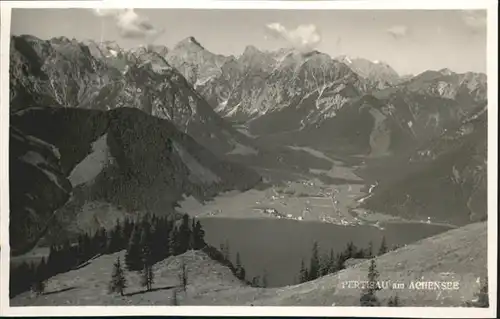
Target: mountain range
{"points": [[165, 123], [294, 97]]}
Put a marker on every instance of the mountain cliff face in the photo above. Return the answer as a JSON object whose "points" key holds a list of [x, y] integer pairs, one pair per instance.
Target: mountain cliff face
{"points": [[468, 87], [258, 83], [67, 73], [444, 179], [288, 97], [379, 74], [197, 64]]}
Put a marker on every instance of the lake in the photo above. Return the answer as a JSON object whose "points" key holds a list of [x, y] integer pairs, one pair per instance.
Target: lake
{"points": [[276, 246]]}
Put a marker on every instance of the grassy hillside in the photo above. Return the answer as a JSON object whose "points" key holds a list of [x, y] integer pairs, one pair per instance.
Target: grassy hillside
{"points": [[88, 285], [461, 253]]}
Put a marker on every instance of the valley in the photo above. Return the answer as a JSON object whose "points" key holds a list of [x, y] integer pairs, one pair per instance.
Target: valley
{"points": [[270, 176]]}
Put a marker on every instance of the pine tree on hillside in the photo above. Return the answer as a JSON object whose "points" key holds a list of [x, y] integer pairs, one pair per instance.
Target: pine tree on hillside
{"points": [[369, 250], [264, 279], [118, 282], [198, 236], [173, 249], [192, 235], [255, 281], [146, 232], [133, 256], [147, 277], [99, 242], [304, 274], [184, 234], [324, 265], [39, 279], [350, 250], [332, 263], [240, 271], [183, 275], [146, 254], [127, 229], [222, 249], [383, 247], [52, 261], [115, 241], [368, 298], [314, 265], [85, 248], [340, 262], [227, 252], [159, 248]]}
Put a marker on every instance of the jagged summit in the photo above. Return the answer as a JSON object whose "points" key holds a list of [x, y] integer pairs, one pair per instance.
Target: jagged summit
{"points": [[302, 56], [312, 53], [190, 42], [345, 58], [446, 71], [251, 49]]}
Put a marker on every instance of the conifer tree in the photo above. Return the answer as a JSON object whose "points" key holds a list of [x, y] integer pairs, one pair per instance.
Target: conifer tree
{"points": [[127, 229], [303, 275], [115, 239], [332, 263], [183, 275], [227, 252], [147, 277], [255, 281], [383, 247], [350, 250], [368, 298], [184, 234], [173, 249], [314, 264], [340, 262], [369, 251], [264, 279], [118, 282], [198, 236], [324, 265], [39, 278], [240, 271], [159, 248], [133, 256], [100, 242]]}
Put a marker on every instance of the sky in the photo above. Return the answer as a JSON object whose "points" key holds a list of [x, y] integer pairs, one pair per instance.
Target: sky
{"points": [[411, 41]]}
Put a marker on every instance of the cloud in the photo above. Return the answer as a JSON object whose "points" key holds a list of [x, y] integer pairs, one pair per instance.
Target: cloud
{"points": [[398, 31], [305, 37], [475, 20], [107, 12], [129, 23]]}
